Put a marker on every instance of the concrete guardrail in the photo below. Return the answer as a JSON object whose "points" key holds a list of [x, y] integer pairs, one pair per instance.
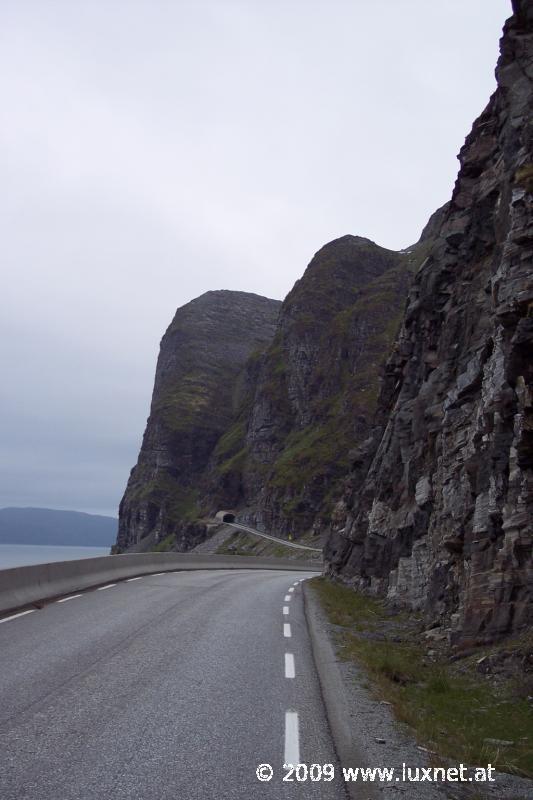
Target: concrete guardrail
{"points": [[23, 586]]}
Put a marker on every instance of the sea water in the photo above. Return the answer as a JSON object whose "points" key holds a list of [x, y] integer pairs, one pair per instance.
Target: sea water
{"points": [[20, 555]]}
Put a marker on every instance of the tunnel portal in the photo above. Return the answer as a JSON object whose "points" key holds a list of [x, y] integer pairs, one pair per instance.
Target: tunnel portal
{"points": [[226, 516]]}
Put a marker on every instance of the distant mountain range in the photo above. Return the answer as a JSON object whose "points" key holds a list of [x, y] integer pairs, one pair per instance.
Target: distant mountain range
{"points": [[53, 527]]}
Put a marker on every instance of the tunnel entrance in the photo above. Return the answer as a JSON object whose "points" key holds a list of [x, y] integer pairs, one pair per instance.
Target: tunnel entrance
{"points": [[226, 515]]}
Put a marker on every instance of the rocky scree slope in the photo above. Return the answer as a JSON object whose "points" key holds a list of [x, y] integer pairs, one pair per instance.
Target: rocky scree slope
{"points": [[438, 512], [197, 390]]}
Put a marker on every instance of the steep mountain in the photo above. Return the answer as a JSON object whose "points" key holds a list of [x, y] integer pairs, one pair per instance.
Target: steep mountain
{"points": [[402, 429], [55, 527], [438, 512], [198, 386], [311, 396], [257, 404]]}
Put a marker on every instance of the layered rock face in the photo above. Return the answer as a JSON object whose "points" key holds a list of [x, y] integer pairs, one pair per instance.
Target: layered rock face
{"points": [[438, 511], [312, 395], [196, 393], [261, 416], [403, 430]]}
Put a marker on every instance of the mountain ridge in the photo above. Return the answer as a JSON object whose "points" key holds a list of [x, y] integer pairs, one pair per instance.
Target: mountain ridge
{"points": [[388, 408], [51, 526]]}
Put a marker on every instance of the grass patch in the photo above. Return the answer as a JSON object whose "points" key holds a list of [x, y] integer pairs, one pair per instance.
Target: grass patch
{"points": [[345, 607], [308, 454], [452, 710], [234, 464], [165, 544], [179, 504], [231, 442], [524, 177]]}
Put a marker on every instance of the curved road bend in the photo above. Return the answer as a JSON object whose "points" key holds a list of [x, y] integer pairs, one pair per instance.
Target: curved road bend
{"points": [[167, 687]]}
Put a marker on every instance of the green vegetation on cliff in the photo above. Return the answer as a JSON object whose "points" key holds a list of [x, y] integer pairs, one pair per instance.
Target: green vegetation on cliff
{"points": [[316, 386], [163, 491], [249, 413], [198, 387]]}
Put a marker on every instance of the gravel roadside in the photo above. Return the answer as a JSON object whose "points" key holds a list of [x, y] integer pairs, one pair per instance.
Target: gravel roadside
{"points": [[377, 738]]}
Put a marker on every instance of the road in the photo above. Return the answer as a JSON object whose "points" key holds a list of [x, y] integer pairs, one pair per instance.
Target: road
{"points": [[168, 686], [271, 538]]}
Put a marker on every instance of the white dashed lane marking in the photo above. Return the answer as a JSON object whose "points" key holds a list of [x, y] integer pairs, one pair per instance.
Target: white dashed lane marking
{"points": [[290, 671], [287, 630], [285, 610], [287, 598], [72, 597], [129, 580], [14, 616], [109, 586], [292, 739], [291, 589]]}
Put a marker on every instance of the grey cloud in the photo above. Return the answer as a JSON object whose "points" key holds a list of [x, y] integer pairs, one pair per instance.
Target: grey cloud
{"points": [[151, 151]]}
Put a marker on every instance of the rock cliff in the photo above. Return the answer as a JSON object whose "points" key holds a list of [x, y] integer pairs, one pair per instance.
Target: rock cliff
{"points": [[311, 396], [387, 402], [438, 511], [196, 393]]}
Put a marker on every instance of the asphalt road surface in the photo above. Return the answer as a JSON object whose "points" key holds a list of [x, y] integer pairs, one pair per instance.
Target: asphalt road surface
{"points": [[167, 687]]}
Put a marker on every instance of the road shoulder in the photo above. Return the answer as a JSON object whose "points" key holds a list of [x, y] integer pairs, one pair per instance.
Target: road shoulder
{"points": [[365, 731]]}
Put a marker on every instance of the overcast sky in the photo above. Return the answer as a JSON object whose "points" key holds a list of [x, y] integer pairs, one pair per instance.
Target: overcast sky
{"points": [[151, 150]]}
